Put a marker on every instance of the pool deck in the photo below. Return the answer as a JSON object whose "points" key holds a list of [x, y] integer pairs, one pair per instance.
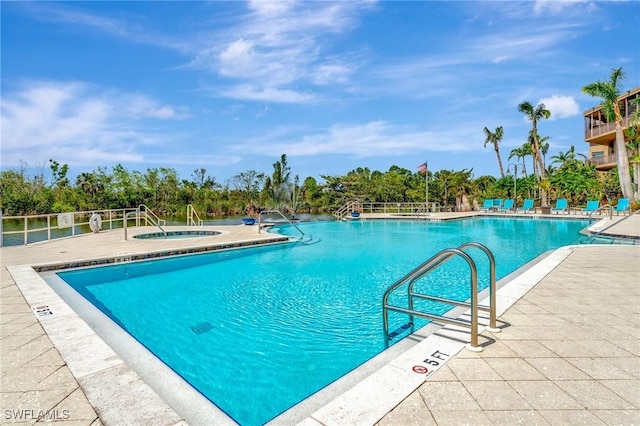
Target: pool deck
{"points": [[568, 351]]}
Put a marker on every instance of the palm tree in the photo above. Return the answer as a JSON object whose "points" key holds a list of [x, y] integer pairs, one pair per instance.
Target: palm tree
{"points": [[461, 182], [544, 149], [534, 115], [495, 139], [526, 150], [609, 91], [520, 153], [565, 158]]}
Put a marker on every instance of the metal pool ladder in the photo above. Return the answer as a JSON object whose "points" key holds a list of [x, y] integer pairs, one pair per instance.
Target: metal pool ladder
{"points": [[431, 264]]}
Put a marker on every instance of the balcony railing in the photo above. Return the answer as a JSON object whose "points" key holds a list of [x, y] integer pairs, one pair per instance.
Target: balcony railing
{"points": [[604, 128], [604, 159]]}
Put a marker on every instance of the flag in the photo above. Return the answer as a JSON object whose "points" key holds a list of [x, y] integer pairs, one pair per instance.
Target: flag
{"points": [[422, 168]]}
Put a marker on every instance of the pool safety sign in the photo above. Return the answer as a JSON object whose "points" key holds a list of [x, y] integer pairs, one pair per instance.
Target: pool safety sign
{"points": [[431, 363], [42, 311]]}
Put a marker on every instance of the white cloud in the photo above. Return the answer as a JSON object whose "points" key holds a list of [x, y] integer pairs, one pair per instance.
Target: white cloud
{"points": [[371, 139], [279, 44], [237, 51], [560, 106], [267, 94], [554, 7], [138, 106], [332, 73], [77, 124], [267, 7]]}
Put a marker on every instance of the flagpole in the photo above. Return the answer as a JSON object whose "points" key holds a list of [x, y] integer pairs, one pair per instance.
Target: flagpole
{"points": [[426, 178]]}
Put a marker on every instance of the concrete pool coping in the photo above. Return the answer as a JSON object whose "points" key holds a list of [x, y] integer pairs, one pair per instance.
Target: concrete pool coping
{"points": [[387, 382]]}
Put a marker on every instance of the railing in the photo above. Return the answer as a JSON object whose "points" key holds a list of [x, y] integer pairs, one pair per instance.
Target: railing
{"points": [[599, 209], [280, 214], [599, 233], [601, 129], [191, 213], [148, 215], [351, 206], [434, 262], [23, 230], [604, 159], [412, 208]]}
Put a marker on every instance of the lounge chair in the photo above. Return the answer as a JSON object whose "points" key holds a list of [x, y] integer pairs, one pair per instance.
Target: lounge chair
{"points": [[623, 206], [488, 204], [592, 206], [497, 204], [507, 207], [561, 206], [527, 206]]}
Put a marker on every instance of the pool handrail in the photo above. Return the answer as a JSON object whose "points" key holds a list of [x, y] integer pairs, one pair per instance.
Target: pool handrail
{"points": [[429, 265], [283, 216], [603, 207], [191, 213], [599, 233], [150, 216]]}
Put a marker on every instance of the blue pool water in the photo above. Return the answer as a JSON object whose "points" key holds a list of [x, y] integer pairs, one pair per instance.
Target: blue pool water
{"points": [[257, 330]]}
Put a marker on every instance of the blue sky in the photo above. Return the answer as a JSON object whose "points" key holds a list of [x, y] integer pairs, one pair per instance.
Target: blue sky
{"points": [[230, 86]]}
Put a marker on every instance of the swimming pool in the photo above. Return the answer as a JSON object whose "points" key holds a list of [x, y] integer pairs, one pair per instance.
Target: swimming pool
{"points": [[257, 330]]}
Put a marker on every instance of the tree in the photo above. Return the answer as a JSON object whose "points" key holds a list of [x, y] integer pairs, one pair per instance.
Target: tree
{"points": [[520, 153], [495, 138], [90, 184], [461, 182], [280, 184], [610, 91], [567, 157], [199, 176], [535, 114], [443, 179], [58, 174], [544, 149]]}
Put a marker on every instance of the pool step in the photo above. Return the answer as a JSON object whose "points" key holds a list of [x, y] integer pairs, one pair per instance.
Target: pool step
{"points": [[398, 331]]}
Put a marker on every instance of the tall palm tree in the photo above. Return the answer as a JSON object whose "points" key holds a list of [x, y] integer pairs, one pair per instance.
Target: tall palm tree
{"points": [[535, 114], [495, 138], [609, 91]]}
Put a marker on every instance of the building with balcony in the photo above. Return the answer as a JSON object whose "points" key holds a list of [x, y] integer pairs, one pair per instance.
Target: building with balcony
{"points": [[600, 133]]}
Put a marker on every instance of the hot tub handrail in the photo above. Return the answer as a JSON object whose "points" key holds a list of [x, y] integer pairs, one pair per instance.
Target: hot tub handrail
{"points": [[142, 214]]}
